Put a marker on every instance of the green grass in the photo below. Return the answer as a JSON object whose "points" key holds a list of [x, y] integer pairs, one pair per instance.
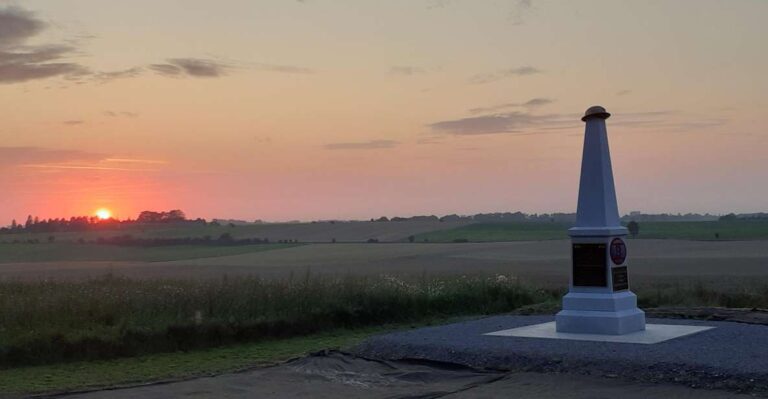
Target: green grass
{"points": [[46, 252], [727, 230], [486, 232], [171, 366], [55, 321]]}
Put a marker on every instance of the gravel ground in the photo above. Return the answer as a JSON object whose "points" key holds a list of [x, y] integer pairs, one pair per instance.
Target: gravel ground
{"points": [[733, 356]]}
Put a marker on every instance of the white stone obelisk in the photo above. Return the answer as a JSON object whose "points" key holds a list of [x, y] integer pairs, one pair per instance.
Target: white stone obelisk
{"points": [[599, 300]]}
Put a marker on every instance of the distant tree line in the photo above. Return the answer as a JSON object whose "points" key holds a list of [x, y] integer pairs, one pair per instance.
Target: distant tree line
{"points": [[91, 223], [731, 217], [486, 217], [559, 217]]}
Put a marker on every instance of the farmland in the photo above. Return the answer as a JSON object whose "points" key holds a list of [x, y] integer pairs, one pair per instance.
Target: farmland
{"points": [[709, 230], [68, 301]]}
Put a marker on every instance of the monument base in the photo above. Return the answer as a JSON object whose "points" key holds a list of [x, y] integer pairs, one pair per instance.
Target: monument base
{"points": [[600, 313]]}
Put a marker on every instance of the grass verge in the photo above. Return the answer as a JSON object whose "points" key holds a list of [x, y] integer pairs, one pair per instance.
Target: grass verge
{"points": [[174, 366]]}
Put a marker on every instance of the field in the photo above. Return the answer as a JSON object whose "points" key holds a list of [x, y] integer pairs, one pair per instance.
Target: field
{"points": [[275, 232], [715, 230], [66, 302], [539, 262]]}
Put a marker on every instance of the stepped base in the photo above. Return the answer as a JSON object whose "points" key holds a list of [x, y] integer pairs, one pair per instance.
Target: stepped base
{"points": [[599, 313]]}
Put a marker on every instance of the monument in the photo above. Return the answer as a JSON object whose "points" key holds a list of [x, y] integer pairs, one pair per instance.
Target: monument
{"points": [[599, 305], [599, 300]]}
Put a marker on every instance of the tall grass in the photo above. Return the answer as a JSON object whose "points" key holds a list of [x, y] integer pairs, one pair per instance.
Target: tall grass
{"points": [[51, 321]]}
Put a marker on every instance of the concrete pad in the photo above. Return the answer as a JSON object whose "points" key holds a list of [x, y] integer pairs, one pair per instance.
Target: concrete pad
{"points": [[653, 333]]}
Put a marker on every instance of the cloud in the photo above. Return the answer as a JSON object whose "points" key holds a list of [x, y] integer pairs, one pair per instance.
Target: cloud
{"points": [[363, 145], [407, 70], [14, 156], [115, 114], [524, 122], [20, 62], [16, 25], [104, 77], [194, 67], [519, 10], [532, 103], [503, 74], [206, 68], [510, 122], [73, 122], [623, 92], [281, 68]]}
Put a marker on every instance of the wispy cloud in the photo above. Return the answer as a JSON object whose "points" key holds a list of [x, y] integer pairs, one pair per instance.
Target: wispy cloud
{"points": [[407, 70], [136, 161], [194, 67], [20, 62], [362, 145], [280, 68], [73, 122], [526, 122], [623, 92], [520, 9], [85, 167], [503, 74], [510, 122], [14, 156], [532, 103], [104, 77], [115, 114], [208, 68]]}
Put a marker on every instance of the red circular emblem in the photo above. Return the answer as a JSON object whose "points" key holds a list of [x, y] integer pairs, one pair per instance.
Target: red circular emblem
{"points": [[618, 251]]}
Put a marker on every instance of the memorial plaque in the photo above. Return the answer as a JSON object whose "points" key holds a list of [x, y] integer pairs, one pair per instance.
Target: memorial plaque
{"points": [[620, 278], [589, 263], [618, 251]]}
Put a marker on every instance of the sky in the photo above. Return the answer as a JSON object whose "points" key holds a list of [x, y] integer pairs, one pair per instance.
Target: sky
{"points": [[342, 109]]}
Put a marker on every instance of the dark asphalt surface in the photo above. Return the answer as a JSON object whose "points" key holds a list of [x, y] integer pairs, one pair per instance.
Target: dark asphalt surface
{"points": [[732, 356]]}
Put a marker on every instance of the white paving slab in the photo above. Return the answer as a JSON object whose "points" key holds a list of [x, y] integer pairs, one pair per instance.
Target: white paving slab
{"points": [[653, 334]]}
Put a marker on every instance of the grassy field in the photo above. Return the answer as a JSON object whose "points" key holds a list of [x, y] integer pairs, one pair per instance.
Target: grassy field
{"points": [[85, 375], [52, 321], [46, 252], [485, 232]]}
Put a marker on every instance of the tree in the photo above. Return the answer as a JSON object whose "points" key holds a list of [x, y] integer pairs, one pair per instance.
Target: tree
{"points": [[634, 228], [411, 238]]}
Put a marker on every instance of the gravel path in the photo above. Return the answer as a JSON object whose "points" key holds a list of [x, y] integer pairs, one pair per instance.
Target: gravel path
{"points": [[733, 356]]}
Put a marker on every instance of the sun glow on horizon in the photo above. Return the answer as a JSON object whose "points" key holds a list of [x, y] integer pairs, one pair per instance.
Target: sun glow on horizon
{"points": [[103, 213]]}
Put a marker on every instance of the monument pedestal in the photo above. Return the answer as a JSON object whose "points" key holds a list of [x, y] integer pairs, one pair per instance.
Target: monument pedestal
{"points": [[612, 314]]}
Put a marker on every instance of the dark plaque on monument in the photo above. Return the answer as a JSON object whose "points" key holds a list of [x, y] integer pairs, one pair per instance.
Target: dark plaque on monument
{"points": [[620, 278], [589, 263]]}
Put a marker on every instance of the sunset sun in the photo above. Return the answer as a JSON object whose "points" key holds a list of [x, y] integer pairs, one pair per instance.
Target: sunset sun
{"points": [[103, 213]]}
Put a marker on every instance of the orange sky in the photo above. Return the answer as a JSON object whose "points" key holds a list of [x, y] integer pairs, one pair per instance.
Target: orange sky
{"points": [[314, 109]]}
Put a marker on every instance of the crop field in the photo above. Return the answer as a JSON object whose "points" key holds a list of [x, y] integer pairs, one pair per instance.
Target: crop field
{"points": [[274, 232], [53, 252], [714, 230]]}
